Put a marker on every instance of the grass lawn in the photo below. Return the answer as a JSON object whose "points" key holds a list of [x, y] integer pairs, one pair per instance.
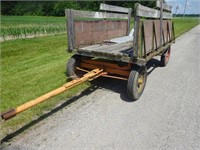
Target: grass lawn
{"points": [[182, 25], [32, 67]]}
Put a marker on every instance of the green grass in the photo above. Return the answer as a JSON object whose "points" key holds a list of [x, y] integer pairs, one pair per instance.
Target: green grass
{"points": [[22, 26], [182, 25], [32, 67]]}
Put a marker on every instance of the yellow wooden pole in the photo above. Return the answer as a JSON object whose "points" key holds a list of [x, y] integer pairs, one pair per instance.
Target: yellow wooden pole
{"points": [[87, 77]]}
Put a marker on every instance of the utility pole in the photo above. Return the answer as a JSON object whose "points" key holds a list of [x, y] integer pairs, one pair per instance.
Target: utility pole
{"points": [[176, 10], [185, 8]]}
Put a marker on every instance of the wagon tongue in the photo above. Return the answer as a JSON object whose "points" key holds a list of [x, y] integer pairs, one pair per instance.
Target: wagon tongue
{"points": [[9, 114], [87, 77]]}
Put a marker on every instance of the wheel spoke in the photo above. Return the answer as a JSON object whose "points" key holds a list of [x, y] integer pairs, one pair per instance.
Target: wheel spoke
{"points": [[140, 83]]}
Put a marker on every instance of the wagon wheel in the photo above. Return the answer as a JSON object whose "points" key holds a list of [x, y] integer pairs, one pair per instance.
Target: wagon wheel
{"points": [[165, 57], [136, 82], [71, 70]]}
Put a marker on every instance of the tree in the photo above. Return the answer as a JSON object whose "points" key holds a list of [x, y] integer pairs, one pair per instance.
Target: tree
{"points": [[56, 8]]}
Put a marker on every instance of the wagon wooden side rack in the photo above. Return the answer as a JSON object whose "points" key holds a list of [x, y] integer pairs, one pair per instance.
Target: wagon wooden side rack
{"points": [[104, 40], [104, 45]]}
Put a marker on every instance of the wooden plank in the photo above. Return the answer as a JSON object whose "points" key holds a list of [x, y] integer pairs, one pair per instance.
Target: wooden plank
{"points": [[161, 22], [121, 47], [129, 20], [96, 31], [108, 56], [148, 33], [91, 47], [167, 15], [112, 49], [143, 11], [70, 29], [93, 14], [112, 8], [165, 6], [136, 35], [97, 47]]}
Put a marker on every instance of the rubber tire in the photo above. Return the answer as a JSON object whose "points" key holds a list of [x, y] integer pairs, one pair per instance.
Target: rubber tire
{"points": [[164, 61], [72, 63], [133, 82]]}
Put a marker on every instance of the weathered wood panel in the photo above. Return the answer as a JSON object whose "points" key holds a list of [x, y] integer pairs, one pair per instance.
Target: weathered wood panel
{"points": [[70, 29], [143, 11], [91, 32], [157, 32], [106, 7], [92, 14], [111, 8], [150, 35], [110, 48], [129, 20], [165, 6], [117, 52]]}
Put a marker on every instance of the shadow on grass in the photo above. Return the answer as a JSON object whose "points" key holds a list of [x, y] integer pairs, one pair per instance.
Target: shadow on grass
{"points": [[114, 85], [63, 105]]}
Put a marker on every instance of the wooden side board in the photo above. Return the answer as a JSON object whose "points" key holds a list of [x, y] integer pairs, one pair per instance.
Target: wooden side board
{"points": [[92, 32], [106, 7], [93, 14], [149, 36], [165, 6], [124, 10], [83, 29], [70, 29], [153, 29], [143, 11]]}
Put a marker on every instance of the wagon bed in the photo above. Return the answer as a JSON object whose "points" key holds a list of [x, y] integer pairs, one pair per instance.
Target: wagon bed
{"points": [[109, 50]]}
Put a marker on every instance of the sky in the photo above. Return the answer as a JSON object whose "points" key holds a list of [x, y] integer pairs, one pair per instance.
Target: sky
{"points": [[192, 7]]}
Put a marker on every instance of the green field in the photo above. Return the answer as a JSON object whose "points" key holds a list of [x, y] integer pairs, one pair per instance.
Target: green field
{"points": [[23, 26], [32, 67], [182, 25]]}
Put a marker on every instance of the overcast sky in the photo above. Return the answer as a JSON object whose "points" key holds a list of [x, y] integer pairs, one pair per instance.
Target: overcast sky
{"points": [[193, 6]]}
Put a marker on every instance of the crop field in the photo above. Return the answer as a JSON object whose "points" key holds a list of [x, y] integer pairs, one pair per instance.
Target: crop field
{"points": [[25, 26], [34, 66], [14, 27]]}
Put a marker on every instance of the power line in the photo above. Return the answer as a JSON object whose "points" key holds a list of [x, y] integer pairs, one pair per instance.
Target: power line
{"points": [[176, 10], [185, 8]]}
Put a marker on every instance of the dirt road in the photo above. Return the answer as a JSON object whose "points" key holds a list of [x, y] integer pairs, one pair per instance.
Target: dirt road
{"points": [[167, 116]]}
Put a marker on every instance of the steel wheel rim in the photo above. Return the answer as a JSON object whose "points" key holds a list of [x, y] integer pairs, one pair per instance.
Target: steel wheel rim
{"points": [[167, 55], [140, 83]]}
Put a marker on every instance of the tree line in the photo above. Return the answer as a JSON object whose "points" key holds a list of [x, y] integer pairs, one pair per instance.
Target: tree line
{"points": [[56, 8]]}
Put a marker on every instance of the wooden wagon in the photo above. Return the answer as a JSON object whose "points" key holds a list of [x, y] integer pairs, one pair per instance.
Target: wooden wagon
{"points": [[105, 46], [104, 40]]}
